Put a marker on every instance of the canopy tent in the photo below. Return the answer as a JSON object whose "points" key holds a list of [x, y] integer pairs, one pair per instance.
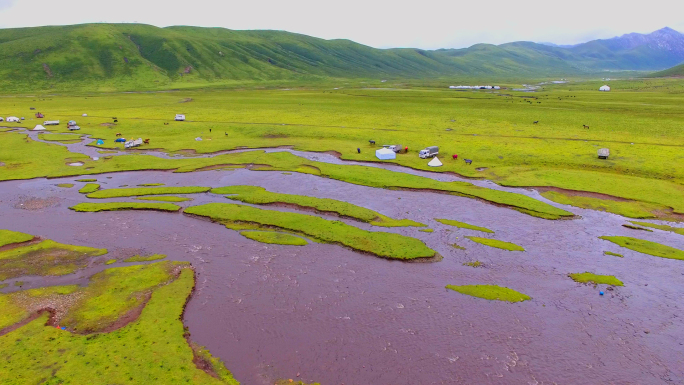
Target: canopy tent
{"points": [[385, 154], [435, 162], [604, 88], [38, 128], [100, 142]]}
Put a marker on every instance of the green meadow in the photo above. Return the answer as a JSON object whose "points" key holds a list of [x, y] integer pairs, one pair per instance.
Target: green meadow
{"points": [[640, 125]]}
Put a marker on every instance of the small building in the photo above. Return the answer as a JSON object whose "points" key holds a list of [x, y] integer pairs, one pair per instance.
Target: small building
{"points": [[603, 153], [605, 88], [51, 123], [180, 118], [12, 119], [385, 154], [38, 128]]}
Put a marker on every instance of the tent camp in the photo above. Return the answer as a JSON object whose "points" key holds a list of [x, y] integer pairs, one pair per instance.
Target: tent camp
{"points": [[38, 128], [385, 154], [604, 88], [435, 162]]}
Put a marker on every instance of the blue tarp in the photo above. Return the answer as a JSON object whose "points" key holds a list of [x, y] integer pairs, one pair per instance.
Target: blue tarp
{"points": [[120, 140]]}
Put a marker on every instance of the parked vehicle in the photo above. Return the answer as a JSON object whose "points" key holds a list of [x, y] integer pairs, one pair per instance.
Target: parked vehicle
{"points": [[74, 128], [51, 123], [396, 148], [133, 143], [428, 152]]}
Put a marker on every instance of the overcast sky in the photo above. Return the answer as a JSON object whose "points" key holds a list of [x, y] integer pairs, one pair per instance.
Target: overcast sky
{"points": [[420, 23]]}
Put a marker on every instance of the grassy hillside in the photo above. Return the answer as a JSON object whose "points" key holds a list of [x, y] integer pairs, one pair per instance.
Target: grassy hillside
{"points": [[133, 56], [674, 71]]}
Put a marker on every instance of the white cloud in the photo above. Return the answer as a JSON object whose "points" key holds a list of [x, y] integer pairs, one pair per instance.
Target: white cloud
{"points": [[425, 24]]}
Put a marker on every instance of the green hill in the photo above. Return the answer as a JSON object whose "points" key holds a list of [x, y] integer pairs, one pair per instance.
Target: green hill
{"points": [[670, 72], [137, 57]]}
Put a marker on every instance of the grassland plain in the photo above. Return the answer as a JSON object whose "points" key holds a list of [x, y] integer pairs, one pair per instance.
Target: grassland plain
{"points": [[116, 206], [386, 245], [493, 129], [596, 279], [131, 354], [490, 292], [44, 258], [21, 167], [261, 196], [646, 247], [273, 237]]}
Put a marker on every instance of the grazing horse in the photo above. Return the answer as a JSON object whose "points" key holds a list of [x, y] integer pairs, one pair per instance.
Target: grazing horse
{"points": [[118, 134], [468, 161], [535, 122], [372, 142], [585, 126], [146, 141], [454, 156]]}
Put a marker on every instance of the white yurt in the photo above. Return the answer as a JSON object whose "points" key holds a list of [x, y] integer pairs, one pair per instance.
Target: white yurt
{"points": [[435, 162], [12, 119], [38, 128], [605, 88], [385, 154], [84, 115]]}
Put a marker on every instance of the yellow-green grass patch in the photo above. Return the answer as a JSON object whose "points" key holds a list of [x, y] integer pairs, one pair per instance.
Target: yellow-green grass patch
{"points": [[8, 237], [490, 292], [646, 247], [164, 199], [141, 191], [116, 206], [261, 196], [150, 184], [273, 237], [145, 258], [89, 188], [678, 230], [463, 225], [86, 180], [65, 185], [596, 279], [45, 258], [111, 261], [496, 243], [387, 245], [473, 264], [61, 138], [153, 346], [613, 254], [626, 208]]}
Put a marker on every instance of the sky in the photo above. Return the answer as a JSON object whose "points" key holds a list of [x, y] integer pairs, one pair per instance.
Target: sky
{"points": [[427, 24]]}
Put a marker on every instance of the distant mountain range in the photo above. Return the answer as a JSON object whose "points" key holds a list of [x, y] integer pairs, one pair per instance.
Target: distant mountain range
{"points": [[135, 56]]}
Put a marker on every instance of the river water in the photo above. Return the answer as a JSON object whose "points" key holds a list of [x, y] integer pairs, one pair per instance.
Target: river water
{"points": [[332, 315]]}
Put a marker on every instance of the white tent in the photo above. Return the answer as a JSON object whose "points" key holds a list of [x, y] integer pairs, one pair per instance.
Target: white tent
{"points": [[39, 128], [604, 88], [435, 162], [385, 153], [84, 115], [12, 119]]}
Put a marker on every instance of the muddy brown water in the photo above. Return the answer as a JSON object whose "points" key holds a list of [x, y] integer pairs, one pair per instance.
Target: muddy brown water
{"points": [[340, 317]]}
